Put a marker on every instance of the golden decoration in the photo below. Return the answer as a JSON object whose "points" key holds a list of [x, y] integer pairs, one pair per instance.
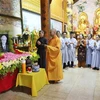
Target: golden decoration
{"points": [[83, 15], [97, 17], [83, 23]]}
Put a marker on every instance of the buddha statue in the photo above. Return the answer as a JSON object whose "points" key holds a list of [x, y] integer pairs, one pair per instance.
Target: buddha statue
{"points": [[97, 21], [83, 22], [97, 17]]}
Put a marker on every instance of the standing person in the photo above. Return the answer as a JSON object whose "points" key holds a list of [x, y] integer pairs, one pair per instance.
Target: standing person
{"points": [[41, 49], [58, 34], [96, 54], [54, 58], [60, 37], [77, 38], [72, 43], [81, 51], [89, 45], [64, 49]]}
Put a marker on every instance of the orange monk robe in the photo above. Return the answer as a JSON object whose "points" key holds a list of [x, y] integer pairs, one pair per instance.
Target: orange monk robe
{"points": [[54, 60]]}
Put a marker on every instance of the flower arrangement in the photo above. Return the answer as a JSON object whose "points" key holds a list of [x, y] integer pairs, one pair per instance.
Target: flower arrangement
{"points": [[34, 37], [1, 66], [34, 56], [12, 61], [1, 56]]}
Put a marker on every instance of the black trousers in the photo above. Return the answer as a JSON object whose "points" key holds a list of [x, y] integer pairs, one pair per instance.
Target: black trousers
{"points": [[64, 65], [70, 64], [89, 65]]}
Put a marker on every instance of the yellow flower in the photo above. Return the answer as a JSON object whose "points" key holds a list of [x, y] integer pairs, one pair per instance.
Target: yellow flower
{"points": [[33, 53], [1, 66], [1, 54]]}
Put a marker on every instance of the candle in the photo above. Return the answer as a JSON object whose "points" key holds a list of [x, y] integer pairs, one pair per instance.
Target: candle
{"points": [[23, 66]]}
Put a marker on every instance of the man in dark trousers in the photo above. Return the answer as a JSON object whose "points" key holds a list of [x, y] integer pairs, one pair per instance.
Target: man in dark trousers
{"points": [[41, 49]]}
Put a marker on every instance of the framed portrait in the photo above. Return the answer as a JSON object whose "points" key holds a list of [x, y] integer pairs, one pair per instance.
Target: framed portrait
{"points": [[4, 43]]}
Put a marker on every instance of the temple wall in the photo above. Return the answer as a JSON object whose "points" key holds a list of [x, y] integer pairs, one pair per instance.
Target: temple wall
{"points": [[87, 6]]}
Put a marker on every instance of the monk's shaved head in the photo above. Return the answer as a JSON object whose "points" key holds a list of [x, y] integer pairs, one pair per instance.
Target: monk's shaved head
{"points": [[53, 32]]}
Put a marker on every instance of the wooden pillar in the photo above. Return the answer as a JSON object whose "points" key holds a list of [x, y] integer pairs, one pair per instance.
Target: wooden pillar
{"points": [[45, 17]]}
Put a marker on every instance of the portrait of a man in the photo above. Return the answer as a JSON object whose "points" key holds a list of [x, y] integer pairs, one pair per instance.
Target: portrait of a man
{"points": [[3, 43]]}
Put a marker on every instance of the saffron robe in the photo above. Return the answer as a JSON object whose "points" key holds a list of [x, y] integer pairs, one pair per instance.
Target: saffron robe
{"points": [[54, 60]]}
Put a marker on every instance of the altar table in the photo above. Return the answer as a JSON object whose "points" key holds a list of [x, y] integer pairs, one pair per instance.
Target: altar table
{"points": [[34, 80]]}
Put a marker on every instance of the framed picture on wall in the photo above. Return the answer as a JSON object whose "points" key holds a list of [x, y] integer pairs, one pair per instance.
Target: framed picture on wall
{"points": [[4, 43]]}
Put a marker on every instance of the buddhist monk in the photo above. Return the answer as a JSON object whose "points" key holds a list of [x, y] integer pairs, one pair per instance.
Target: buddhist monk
{"points": [[54, 58]]}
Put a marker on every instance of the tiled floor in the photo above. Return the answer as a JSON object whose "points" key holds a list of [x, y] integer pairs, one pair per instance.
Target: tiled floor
{"points": [[78, 84]]}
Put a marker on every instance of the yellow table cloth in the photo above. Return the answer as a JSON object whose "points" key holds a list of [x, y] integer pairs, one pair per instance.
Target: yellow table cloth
{"points": [[34, 80]]}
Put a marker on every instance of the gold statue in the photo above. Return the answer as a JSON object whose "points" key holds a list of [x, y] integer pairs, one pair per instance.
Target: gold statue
{"points": [[97, 17], [83, 22], [97, 20]]}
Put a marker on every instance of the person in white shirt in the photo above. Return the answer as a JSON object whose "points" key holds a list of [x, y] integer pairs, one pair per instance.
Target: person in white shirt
{"points": [[64, 49], [72, 43], [96, 54], [89, 45]]}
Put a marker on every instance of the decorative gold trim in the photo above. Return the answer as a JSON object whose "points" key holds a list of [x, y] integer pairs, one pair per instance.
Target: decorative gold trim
{"points": [[83, 15], [97, 11]]}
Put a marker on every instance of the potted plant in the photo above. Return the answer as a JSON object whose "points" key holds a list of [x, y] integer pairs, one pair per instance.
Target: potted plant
{"points": [[34, 59]]}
